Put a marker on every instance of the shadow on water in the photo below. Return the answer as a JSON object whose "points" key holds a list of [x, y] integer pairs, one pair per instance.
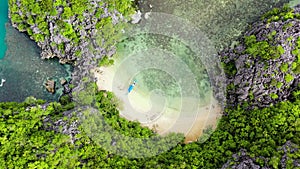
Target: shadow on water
{"points": [[25, 72]]}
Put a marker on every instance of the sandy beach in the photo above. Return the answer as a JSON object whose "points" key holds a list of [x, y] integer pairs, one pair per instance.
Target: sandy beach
{"points": [[154, 111]]}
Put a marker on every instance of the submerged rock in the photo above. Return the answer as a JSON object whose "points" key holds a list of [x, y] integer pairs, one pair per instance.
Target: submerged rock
{"points": [[63, 81], [50, 86]]}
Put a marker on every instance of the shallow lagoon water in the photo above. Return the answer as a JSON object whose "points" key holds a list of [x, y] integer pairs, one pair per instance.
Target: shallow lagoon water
{"points": [[293, 3]]}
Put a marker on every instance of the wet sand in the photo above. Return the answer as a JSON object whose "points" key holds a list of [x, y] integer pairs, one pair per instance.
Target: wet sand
{"points": [[155, 112]]}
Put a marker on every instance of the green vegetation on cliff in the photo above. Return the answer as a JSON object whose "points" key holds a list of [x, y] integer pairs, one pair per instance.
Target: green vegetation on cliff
{"points": [[262, 49], [280, 14], [65, 26]]}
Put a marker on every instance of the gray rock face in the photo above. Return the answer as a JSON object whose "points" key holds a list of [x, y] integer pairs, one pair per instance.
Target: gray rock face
{"points": [[64, 127], [136, 17], [87, 30], [260, 82], [241, 160]]}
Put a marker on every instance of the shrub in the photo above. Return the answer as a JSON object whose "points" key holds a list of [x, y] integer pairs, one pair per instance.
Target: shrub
{"points": [[287, 25], [231, 86], [288, 78], [288, 15], [273, 82], [280, 50], [105, 61], [295, 52], [229, 68], [274, 96], [64, 100], [294, 65], [297, 69], [277, 14], [284, 67], [298, 42], [290, 38], [279, 85], [251, 95], [262, 48]]}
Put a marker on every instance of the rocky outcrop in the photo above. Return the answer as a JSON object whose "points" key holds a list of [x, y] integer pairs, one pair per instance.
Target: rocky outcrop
{"points": [[85, 29], [289, 148], [242, 160], [63, 81], [50, 86], [63, 126], [261, 82]]}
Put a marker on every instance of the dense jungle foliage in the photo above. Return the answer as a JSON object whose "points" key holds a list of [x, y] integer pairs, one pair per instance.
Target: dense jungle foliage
{"points": [[27, 142]]}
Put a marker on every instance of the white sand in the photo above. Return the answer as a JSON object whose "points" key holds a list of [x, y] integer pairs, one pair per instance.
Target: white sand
{"points": [[159, 116]]}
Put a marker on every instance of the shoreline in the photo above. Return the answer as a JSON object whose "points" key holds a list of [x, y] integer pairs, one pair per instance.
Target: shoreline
{"points": [[160, 118]]}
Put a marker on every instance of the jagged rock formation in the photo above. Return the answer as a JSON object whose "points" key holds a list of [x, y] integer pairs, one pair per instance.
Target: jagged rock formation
{"points": [[85, 28], [63, 126], [242, 160], [265, 68]]}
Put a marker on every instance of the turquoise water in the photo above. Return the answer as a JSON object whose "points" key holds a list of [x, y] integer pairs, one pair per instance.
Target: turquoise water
{"points": [[3, 20], [156, 76]]}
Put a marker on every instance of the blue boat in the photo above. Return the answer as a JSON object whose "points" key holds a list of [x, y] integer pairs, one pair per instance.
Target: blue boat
{"points": [[131, 86]]}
